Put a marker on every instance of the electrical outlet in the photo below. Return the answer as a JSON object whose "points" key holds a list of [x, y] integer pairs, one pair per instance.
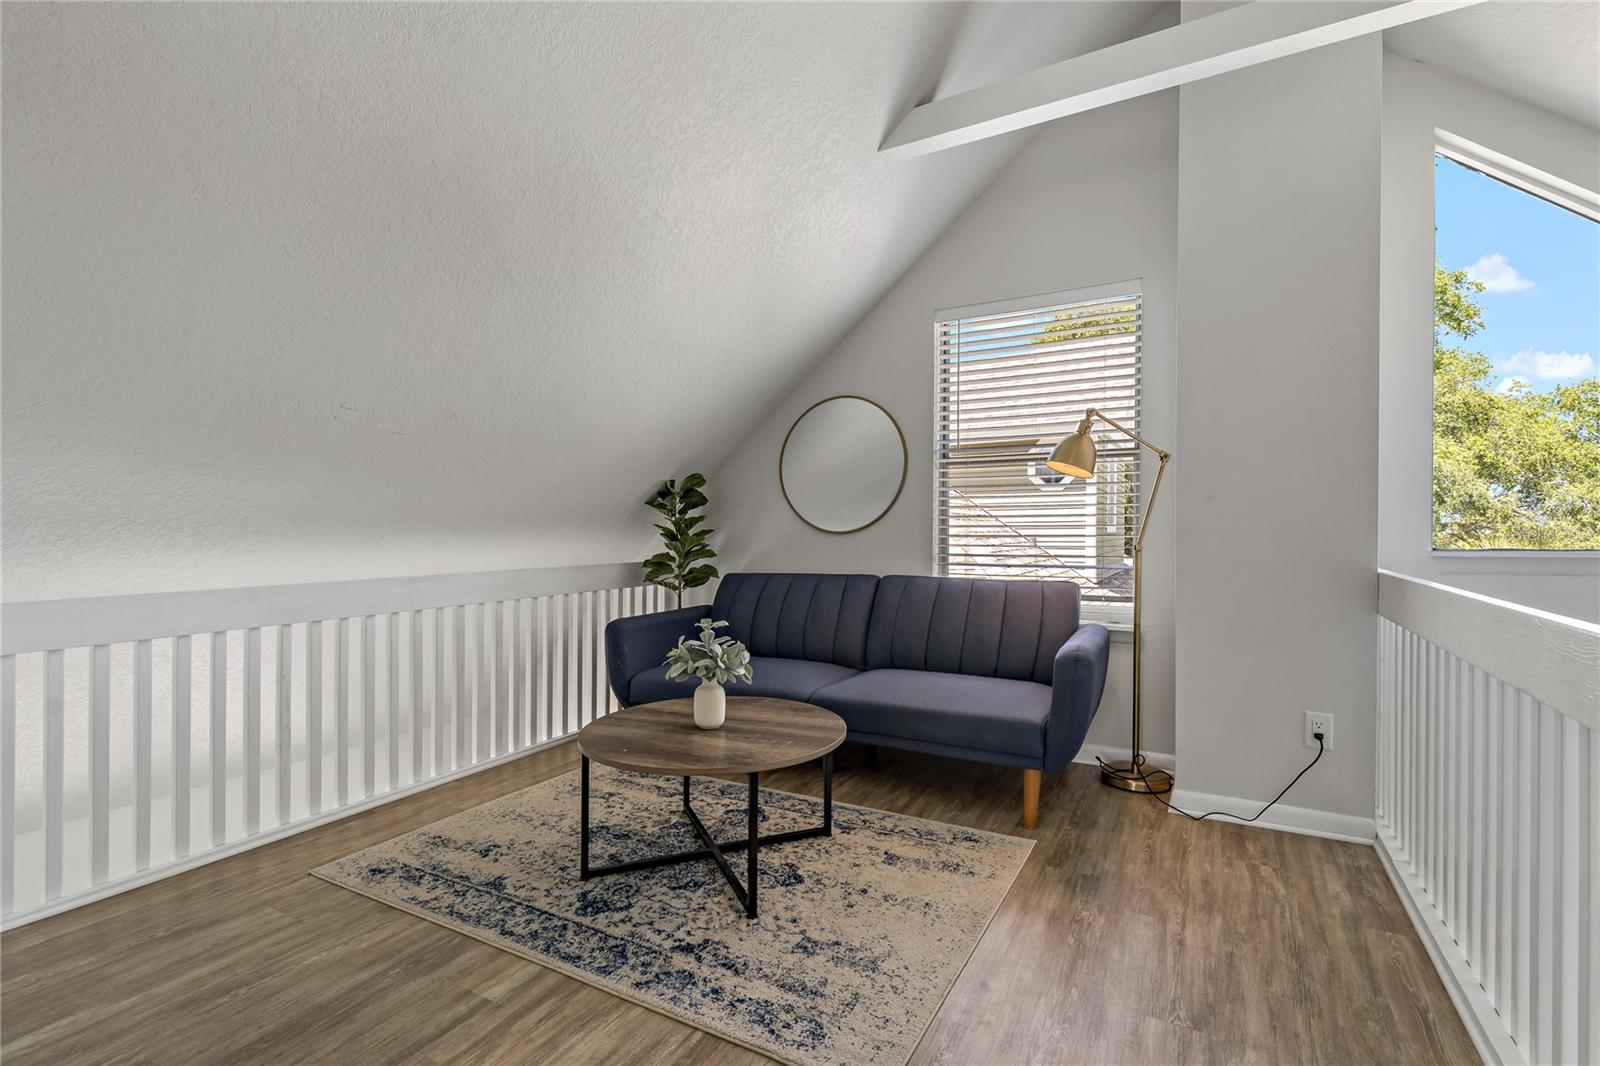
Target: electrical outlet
{"points": [[1317, 722]]}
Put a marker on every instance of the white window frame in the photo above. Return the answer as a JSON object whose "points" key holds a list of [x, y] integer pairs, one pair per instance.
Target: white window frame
{"points": [[1116, 616], [1577, 562]]}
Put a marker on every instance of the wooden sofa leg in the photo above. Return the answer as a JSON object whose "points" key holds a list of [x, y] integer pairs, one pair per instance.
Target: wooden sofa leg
{"points": [[1030, 798]]}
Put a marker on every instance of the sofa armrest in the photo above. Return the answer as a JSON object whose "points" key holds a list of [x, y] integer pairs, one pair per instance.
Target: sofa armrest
{"points": [[638, 643], [1078, 679]]}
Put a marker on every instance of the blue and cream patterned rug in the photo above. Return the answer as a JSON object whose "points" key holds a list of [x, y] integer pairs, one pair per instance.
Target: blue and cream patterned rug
{"points": [[859, 939]]}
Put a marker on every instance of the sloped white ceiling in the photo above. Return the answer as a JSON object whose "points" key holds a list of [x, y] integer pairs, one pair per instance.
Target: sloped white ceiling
{"points": [[302, 292], [1546, 53]]}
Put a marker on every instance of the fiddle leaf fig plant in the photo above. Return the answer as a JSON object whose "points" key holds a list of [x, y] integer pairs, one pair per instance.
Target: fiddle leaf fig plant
{"points": [[683, 564], [711, 658]]}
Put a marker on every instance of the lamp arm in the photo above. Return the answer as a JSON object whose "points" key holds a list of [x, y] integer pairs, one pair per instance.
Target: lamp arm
{"points": [[1161, 453], [1095, 412]]}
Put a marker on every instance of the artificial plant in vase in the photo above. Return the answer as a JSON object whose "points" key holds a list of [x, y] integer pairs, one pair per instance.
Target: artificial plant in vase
{"points": [[683, 564], [716, 661]]}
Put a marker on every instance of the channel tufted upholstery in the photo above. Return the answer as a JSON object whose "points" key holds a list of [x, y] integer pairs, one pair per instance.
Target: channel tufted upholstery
{"points": [[966, 626], [821, 617], [997, 671]]}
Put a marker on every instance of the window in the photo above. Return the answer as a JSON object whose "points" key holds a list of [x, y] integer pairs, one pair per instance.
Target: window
{"points": [[1013, 379], [1516, 393]]}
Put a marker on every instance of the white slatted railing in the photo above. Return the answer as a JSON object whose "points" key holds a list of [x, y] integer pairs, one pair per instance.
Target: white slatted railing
{"points": [[142, 735], [1488, 810]]}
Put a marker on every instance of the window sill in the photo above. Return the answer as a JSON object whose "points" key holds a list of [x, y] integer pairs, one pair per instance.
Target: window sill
{"points": [[1552, 563], [1121, 629]]}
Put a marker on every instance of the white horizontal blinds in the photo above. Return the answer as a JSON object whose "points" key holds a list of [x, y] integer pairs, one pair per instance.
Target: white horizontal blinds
{"points": [[1012, 382]]}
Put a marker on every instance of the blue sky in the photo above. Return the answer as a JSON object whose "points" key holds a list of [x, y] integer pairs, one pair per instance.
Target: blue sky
{"points": [[1541, 264]]}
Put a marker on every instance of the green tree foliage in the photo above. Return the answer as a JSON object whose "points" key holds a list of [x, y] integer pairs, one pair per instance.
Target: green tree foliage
{"points": [[1517, 469], [682, 565]]}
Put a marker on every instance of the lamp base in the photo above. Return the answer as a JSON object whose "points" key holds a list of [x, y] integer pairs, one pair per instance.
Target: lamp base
{"points": [[1123, 775]]}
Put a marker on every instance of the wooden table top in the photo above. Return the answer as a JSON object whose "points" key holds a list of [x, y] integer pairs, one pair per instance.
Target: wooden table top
{"points": [[759, 734]]}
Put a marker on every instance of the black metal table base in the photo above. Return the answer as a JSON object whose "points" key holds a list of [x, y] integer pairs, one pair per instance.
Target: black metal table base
{"points": [[716, 851]]}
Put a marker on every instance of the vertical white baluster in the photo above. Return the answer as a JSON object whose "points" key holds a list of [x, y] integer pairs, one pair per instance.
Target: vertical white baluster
{"points": [[1568, 931], [314, 738], [182, 744], [392, 700], [1547, 885], [484, 722], [252, 731], [284, 753], [1591, 907], [1494, 804], [1415, 762], [1478, 786], [1510, 828], [1430, 755], [502, 677], [219, 739], [418, 770], [55, 712], [8, 783], [441, 717], [341, 709], [1445, 893], [100, 765], [541, 657], [1527, 855], [463, 756], [519, 679], [369, 705], [143, 713], [572, 627]]}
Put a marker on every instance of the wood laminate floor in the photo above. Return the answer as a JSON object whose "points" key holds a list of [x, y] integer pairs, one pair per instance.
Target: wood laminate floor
{"points": [[1131, 936]]}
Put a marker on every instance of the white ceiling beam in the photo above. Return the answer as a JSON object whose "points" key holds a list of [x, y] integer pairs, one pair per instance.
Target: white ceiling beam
{"points": [[1215, 44]]}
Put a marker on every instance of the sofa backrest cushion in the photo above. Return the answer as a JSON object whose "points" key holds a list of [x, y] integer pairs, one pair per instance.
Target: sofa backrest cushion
{"points": [[821, 617], [957, 625]]}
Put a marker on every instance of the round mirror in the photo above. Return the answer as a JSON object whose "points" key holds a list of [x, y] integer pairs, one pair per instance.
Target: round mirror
{"points": [[843, 464]]}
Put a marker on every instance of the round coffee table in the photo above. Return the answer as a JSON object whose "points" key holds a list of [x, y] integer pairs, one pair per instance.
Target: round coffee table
{"points": [[759, 734]]}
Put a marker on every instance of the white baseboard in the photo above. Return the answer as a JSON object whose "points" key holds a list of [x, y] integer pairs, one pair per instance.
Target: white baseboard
{"points": [[1156, 760], [1286, 819], [1483, 1023]]}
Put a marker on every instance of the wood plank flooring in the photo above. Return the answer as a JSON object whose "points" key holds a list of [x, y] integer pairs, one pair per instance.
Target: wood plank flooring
{"points": [[1131, 936]]}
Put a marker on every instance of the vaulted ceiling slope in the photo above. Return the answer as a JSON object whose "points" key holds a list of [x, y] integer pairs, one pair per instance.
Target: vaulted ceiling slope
{"points": [[1546, 53], [302, 292]]}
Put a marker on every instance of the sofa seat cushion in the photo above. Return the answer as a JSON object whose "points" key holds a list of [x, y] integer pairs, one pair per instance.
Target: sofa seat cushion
{"points": [[981, 713], [788, 679]]}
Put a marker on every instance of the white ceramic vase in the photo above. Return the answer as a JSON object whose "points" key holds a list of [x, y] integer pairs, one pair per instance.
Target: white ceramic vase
{"points": [[710, 704]]}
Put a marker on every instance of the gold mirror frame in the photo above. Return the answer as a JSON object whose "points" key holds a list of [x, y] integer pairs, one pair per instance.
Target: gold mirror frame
{"points": [[905, 464]]}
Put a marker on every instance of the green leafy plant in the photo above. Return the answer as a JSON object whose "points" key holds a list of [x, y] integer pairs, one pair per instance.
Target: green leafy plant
{"points": [[683, 564], [711, 658], [1512, 468]]}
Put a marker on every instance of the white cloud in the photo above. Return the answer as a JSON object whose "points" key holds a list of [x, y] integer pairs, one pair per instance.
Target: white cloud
{"points": [[1498, 275], [1508, 384], [1549, 366]]}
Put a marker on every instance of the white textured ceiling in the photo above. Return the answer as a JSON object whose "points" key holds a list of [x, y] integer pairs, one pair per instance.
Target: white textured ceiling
{"points": [[1544, 52], [299, 292]]}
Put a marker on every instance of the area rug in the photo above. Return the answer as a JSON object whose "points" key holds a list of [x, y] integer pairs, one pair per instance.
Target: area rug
{"points": [[859, 938]]}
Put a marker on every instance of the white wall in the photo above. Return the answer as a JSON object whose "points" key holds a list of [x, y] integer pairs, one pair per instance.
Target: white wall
{"points": [[1091, 200], [1417, 101], [303, 292], [1276, 457]]}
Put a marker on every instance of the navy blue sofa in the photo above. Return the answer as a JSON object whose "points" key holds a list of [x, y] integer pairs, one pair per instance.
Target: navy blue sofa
{"points": [[996, 671]]}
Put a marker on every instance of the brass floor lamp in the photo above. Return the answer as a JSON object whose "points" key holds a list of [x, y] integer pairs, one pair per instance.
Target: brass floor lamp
{"points": [[1075, 457]]}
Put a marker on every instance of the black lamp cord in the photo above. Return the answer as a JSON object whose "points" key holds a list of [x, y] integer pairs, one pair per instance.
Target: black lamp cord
{"points": [[1139, 769]]}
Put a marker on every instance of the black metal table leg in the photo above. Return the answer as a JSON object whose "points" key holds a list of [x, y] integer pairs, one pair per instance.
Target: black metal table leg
{"points": [[751, 881], [827, 794], [715, 850], [583, 822]]}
